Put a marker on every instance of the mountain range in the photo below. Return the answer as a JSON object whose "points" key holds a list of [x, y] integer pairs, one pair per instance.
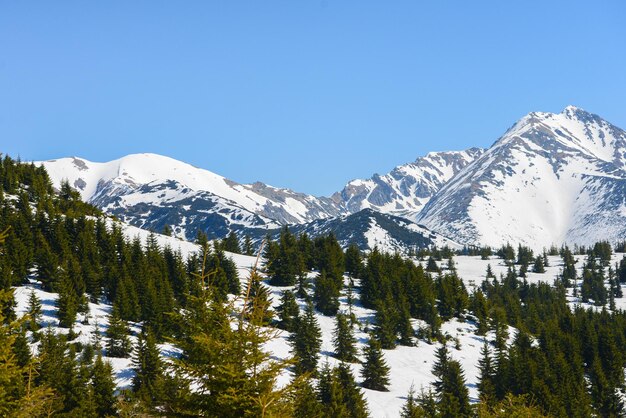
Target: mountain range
{"points": [[550, 179]]}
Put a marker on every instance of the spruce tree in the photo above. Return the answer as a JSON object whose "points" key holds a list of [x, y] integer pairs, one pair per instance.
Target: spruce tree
{"points": [[326, 295], [103, 387], [486, 387], [148, 367], [118, 343], [33, 311], [68, 301], [288, 311], [431, 265], [452, 394], [231, 243], [411, 407], [538, 266], [248, 249], [306, 341], [344, 341], [375, 371], [352, 394], [306, 402]]}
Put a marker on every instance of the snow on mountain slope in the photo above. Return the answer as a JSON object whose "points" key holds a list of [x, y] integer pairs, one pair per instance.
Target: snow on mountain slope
{"points": [[150, 191], [407, 188], [367, 229], [550, 179]]}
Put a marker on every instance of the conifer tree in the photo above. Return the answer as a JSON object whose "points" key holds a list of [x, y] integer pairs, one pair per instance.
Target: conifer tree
{"points": [[486, 387], [260, 301], [489, 274], [103, 387], [386, 324], [344, 341], [326, 295], [452, 394], [231, 243], [375, 371], [353, 260], [118, 344], [431, 265], [68, 302], [352, 395], [538, 266], [21, 349], [288, 311], [306, 341], [247, 245], [306, 402], [331, 393], [411, 407], [148, 367], [33, 311]]}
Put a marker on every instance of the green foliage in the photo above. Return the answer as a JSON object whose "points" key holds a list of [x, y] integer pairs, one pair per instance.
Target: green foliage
{"points": [[284, 260], [118, 342], [148, 367], [231, 243], [375, 371], [288, 311], [306, 341], [450, 388], [344, 340], [326, 294]]}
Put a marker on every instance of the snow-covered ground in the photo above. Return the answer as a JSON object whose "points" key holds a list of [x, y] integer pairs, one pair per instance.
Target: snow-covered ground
{"points": [[410, 366]]}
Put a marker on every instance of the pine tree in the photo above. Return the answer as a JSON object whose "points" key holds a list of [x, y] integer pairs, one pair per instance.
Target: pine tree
{"points": [[68, 302], [118, 344], [306, 341], [344, 341], [326, 295], [538, 266], [33, 311], [247, 245], [148, 367], [352, 395], [486, 387], [375, 371], [452, 394], [431, 265], [306, 403], [412, 408], [354, 262], [288, 311], [103, 387], [231, 243]]}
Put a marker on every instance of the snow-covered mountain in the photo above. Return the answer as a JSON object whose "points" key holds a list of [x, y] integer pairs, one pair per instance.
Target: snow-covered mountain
{"points": [[407, 188], [150, 191], [551, 178]]}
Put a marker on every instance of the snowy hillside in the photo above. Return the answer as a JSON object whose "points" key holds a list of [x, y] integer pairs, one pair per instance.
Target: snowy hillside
{"points": [[550, 179], [408, 365]]}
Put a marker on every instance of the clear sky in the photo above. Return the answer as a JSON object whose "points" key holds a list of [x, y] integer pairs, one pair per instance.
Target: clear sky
{"points": [[299, 94]]}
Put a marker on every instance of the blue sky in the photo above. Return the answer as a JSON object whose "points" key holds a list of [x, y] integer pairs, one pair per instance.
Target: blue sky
{"points": [[299, 94]]}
